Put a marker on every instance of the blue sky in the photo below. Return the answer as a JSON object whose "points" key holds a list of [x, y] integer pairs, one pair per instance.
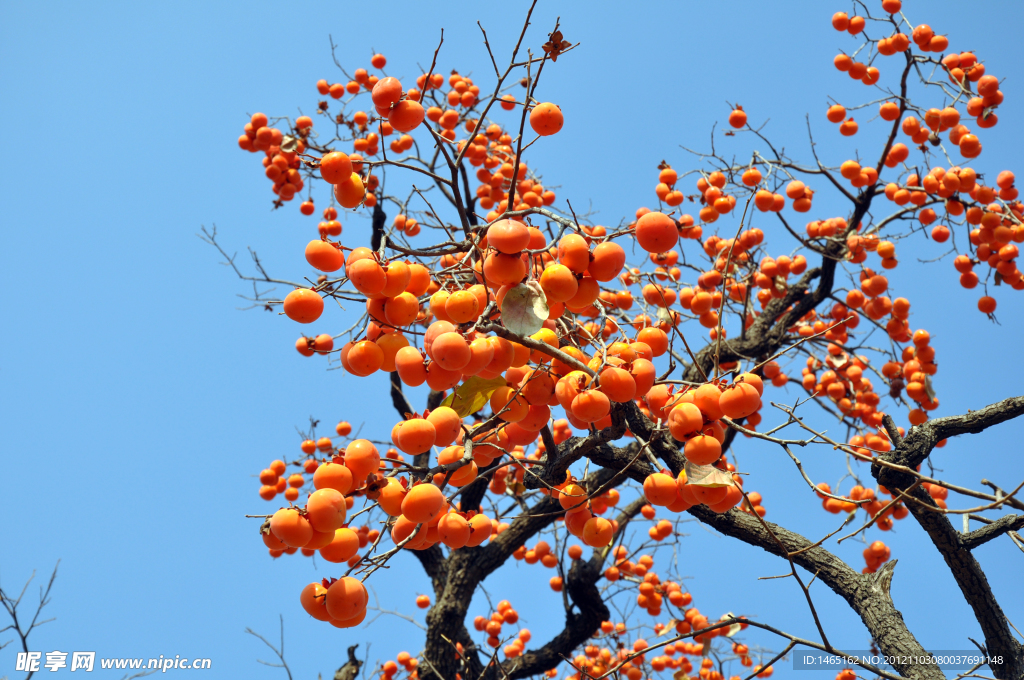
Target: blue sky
{"points": [[137, 403]]}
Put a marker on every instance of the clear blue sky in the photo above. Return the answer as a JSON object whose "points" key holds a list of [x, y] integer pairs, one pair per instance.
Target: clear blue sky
{"points": [[136, 403]]}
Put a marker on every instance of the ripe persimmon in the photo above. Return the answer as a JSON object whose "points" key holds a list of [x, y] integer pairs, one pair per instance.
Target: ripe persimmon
{"points": [[480, 528], [313, 599], [684, 419], [451, 351], [303, 305], [617, 384], [500, 269], [738, 117], [422, 502], [739, 400], [508, 236], [324, 255], [350, 192], [836, 113], [416, 436], [291, 527], [345, 598], [660, 489], [655, 339], [326, 510], [363, 358], [598, 532], [386, 92], [558, 282], [335, 167], [362, 458], [546, 119], [702, 450], [508, 405], [334, 476], [656, 232], [590, 406], [391, 497], [453, 530], [406, 115], [447, 425], [607, 261]]}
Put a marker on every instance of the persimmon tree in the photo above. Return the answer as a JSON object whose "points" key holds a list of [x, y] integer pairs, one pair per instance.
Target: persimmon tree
{"points": [[589, 383]]}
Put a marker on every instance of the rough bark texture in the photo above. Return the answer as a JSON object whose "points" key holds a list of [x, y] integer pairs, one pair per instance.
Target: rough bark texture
{"points": [[954, 546], [972, 540], [580, 584], [455, 578]]}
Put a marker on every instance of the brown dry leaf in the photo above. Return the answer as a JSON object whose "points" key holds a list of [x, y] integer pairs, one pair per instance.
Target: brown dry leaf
{"points": [[374, 486], [289, 144], [556, 45], [707, 475]]}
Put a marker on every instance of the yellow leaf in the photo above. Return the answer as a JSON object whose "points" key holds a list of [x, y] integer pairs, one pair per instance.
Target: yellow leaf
{"points": [[472, 395]]}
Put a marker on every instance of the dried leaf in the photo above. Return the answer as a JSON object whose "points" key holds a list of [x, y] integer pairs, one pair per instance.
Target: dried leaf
{"points": [[707, 475], [556, 45], [734, 628], [472, 395], [680, 675], [928, 389], [374, 486], [525, 308], [838, 361], [289, 144], [670, 628]]}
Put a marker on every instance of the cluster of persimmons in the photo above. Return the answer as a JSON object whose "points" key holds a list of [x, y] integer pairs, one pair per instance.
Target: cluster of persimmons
{"points": [[606, 327]]}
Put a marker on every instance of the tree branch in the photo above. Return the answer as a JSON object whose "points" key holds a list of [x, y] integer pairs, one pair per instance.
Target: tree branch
{"points": [[910, 452], [985, 534]]}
